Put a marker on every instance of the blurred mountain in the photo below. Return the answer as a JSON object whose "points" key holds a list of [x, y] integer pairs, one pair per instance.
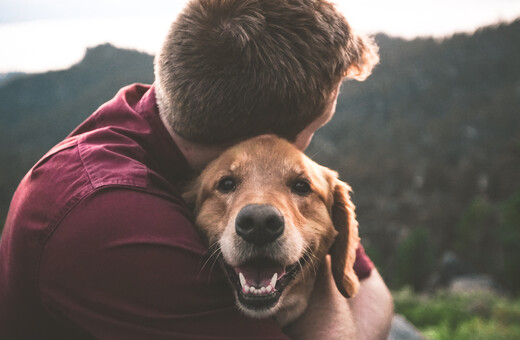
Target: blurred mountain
{"points": [[4, 77], [432, 137], [434, 128]]}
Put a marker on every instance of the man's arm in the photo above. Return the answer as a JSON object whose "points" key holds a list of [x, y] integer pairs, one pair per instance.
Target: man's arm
{"points": [[372, 308], [329, 316]]}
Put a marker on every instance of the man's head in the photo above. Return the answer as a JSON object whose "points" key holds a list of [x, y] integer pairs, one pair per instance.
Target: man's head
{"points": [[233, 69]]}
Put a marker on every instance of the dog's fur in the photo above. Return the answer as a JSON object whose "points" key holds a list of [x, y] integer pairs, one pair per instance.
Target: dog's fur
{"points": [[269, 171]]}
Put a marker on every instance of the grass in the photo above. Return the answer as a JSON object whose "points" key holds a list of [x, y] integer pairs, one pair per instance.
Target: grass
{"points": [[447, 316]]}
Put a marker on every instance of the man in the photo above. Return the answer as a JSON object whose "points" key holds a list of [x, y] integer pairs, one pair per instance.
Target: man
{"points": [[98, 242]]}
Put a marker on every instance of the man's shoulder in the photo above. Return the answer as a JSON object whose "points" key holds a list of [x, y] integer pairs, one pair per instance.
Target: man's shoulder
{"points": [[79, 167], [118, 162], [116, 146]]}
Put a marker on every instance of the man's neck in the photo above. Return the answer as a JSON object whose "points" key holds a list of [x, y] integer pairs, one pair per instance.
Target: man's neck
{"points": [[197, 155]]}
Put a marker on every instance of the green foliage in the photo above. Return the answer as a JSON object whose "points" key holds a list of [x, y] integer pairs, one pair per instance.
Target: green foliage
{"points": [[445, 316], [488, 237], [510, 240], [415, 260], [374, 253], [479, 329], [476, 230]]}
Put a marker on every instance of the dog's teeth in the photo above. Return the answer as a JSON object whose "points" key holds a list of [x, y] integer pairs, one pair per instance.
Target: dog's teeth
{"points": [[242, 279], [257, 290], [274, 279], [246, 289]]}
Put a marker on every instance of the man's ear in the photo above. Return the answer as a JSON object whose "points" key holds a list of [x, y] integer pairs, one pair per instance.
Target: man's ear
{"points": [[343, 250], [363, 55]]}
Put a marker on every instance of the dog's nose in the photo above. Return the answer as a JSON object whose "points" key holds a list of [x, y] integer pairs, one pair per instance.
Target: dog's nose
{"points": [[259, 223]]}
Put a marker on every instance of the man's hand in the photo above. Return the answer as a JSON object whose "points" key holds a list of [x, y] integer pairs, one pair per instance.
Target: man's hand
{"points": [[330, 316], [372, 308]]}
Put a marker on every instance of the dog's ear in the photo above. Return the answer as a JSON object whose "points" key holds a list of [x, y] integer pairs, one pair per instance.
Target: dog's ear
{"points": [[343, 250], [363, 54]]}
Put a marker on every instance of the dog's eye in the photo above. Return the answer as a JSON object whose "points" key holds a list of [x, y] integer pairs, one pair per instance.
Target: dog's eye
{"points": [[301, 187], [226, 185]]}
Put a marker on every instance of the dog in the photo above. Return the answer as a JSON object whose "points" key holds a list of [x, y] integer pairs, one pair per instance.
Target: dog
{"points": [[272, 215]]}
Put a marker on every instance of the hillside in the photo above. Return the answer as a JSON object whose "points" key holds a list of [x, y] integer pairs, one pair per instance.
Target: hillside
{"points": [[430, 143]]}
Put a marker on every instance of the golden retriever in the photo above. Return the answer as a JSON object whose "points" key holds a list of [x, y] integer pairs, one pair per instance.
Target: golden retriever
{"points": [[272, 215]]}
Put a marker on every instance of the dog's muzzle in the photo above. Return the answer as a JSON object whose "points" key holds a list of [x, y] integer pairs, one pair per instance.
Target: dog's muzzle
{"points": [[260, 280]]}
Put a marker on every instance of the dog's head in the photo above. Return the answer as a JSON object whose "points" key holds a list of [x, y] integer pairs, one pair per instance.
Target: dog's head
{"points": [[274, 215]]}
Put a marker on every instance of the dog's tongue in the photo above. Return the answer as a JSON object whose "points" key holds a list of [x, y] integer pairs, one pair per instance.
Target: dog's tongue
{"points": [[260, 274]]}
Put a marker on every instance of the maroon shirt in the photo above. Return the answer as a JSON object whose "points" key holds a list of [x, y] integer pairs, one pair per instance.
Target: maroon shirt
{"points": [[98, 242]]}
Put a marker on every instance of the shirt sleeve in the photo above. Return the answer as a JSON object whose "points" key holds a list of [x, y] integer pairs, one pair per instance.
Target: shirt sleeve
{"points": [[363, 265], [125, 264]]}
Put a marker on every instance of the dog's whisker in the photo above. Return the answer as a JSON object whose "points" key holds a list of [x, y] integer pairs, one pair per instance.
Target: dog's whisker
{"points": [[301, 270], [312, 260], [214, 263], [209, 253], [305, 260], [215, 254], [315, 154]]}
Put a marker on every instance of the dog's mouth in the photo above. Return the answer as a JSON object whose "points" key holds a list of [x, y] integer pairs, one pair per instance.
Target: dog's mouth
{"points": [[259, 283]]}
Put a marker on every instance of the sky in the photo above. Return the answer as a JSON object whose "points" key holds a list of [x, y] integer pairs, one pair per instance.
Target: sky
{"points": [[42, 35]]}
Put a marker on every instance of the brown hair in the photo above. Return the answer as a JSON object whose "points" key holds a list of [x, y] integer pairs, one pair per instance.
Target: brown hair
{"points": [[232, 69]]}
